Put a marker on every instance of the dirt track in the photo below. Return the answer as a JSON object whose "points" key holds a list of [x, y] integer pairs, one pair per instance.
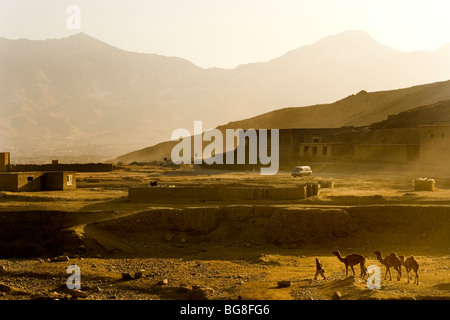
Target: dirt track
{"points": [[223, 250]]}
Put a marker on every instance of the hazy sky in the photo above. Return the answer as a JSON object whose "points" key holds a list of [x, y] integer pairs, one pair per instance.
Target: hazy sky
{"points": [[225, 33]]}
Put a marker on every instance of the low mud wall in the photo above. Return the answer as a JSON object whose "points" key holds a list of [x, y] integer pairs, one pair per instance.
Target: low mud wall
{"points": [[219, 193], [77, 167], [285, 225], [35, 233], [41, 234]]}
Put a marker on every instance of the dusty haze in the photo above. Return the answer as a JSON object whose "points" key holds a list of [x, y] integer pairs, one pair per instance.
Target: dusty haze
{"points": [[78, 96]]}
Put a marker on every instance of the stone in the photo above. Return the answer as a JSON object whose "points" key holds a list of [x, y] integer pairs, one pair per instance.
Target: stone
{"points": [[78, 293], [337, 295], [164, 282], [126, 276], [284, 284], [138, 274], [61, 258], [54, 295], [95, 289]]}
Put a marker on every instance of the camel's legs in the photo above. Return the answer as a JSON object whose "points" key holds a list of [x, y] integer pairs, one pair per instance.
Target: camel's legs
{"points": [[399, 270], [363, 270], [353, 270], [385, 275]]}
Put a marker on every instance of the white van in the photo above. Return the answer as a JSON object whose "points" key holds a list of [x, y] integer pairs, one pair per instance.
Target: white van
{"points": [[301, 171]]}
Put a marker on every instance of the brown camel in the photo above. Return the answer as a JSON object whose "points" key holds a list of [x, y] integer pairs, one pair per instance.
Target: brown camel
{"points": [[389, 261], [410, 264], [352, 260]]}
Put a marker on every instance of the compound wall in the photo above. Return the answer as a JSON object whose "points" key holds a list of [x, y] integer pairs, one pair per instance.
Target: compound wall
{"points": [[77, 167], [218, 193]]}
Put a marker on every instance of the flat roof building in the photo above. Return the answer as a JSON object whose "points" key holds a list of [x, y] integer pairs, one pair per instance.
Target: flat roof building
{"points": [[37, 181], [435, 144]]}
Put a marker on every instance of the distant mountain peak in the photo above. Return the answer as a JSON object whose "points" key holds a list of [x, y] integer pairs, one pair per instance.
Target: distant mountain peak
{"points": [[350, 37], [81, 36]]}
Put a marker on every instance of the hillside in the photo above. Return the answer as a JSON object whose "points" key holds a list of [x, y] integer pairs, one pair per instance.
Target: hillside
{"points": [[403, 108], [79, 95], [436, 113], [355, 110]]}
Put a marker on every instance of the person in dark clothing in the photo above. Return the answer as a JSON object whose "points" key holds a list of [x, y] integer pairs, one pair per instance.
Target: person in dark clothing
{"points": [[319, 270]]}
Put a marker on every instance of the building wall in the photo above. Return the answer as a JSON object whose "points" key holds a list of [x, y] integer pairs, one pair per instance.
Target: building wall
{"points": [[324, 151], [37, 181], [30, 181], [434, 144], [8, 182], [60, 180], [23, 181], [316, 150], [4, 161], [78, 167], [218, 193], [291, 139], [342, 149], [399, 153]]}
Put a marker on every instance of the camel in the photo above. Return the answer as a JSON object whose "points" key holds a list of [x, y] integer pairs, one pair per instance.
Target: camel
{"points": [[410, 264], [352, 260], [389, 261]]}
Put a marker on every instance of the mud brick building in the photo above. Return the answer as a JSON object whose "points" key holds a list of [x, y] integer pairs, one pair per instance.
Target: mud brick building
{"points": [[435, 144], [37, 181], [4, 161], [349, 144]]}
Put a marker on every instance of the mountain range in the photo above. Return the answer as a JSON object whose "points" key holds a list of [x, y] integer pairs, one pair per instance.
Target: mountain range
{"points": [[393, 109], [81, 95]]}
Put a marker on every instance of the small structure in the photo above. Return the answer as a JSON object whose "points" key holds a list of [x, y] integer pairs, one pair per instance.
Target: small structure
{"points": [[60, 180], [4, 161], [23, 181], [424, 184], [37, 181], [435, 144]]}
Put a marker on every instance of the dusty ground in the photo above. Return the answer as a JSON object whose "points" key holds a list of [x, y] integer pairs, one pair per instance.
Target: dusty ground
{"points": [[223, 266]]}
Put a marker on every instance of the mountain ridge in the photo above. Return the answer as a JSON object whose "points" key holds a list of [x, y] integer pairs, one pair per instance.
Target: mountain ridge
{"points": [[411, 103], [63, 94]]}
